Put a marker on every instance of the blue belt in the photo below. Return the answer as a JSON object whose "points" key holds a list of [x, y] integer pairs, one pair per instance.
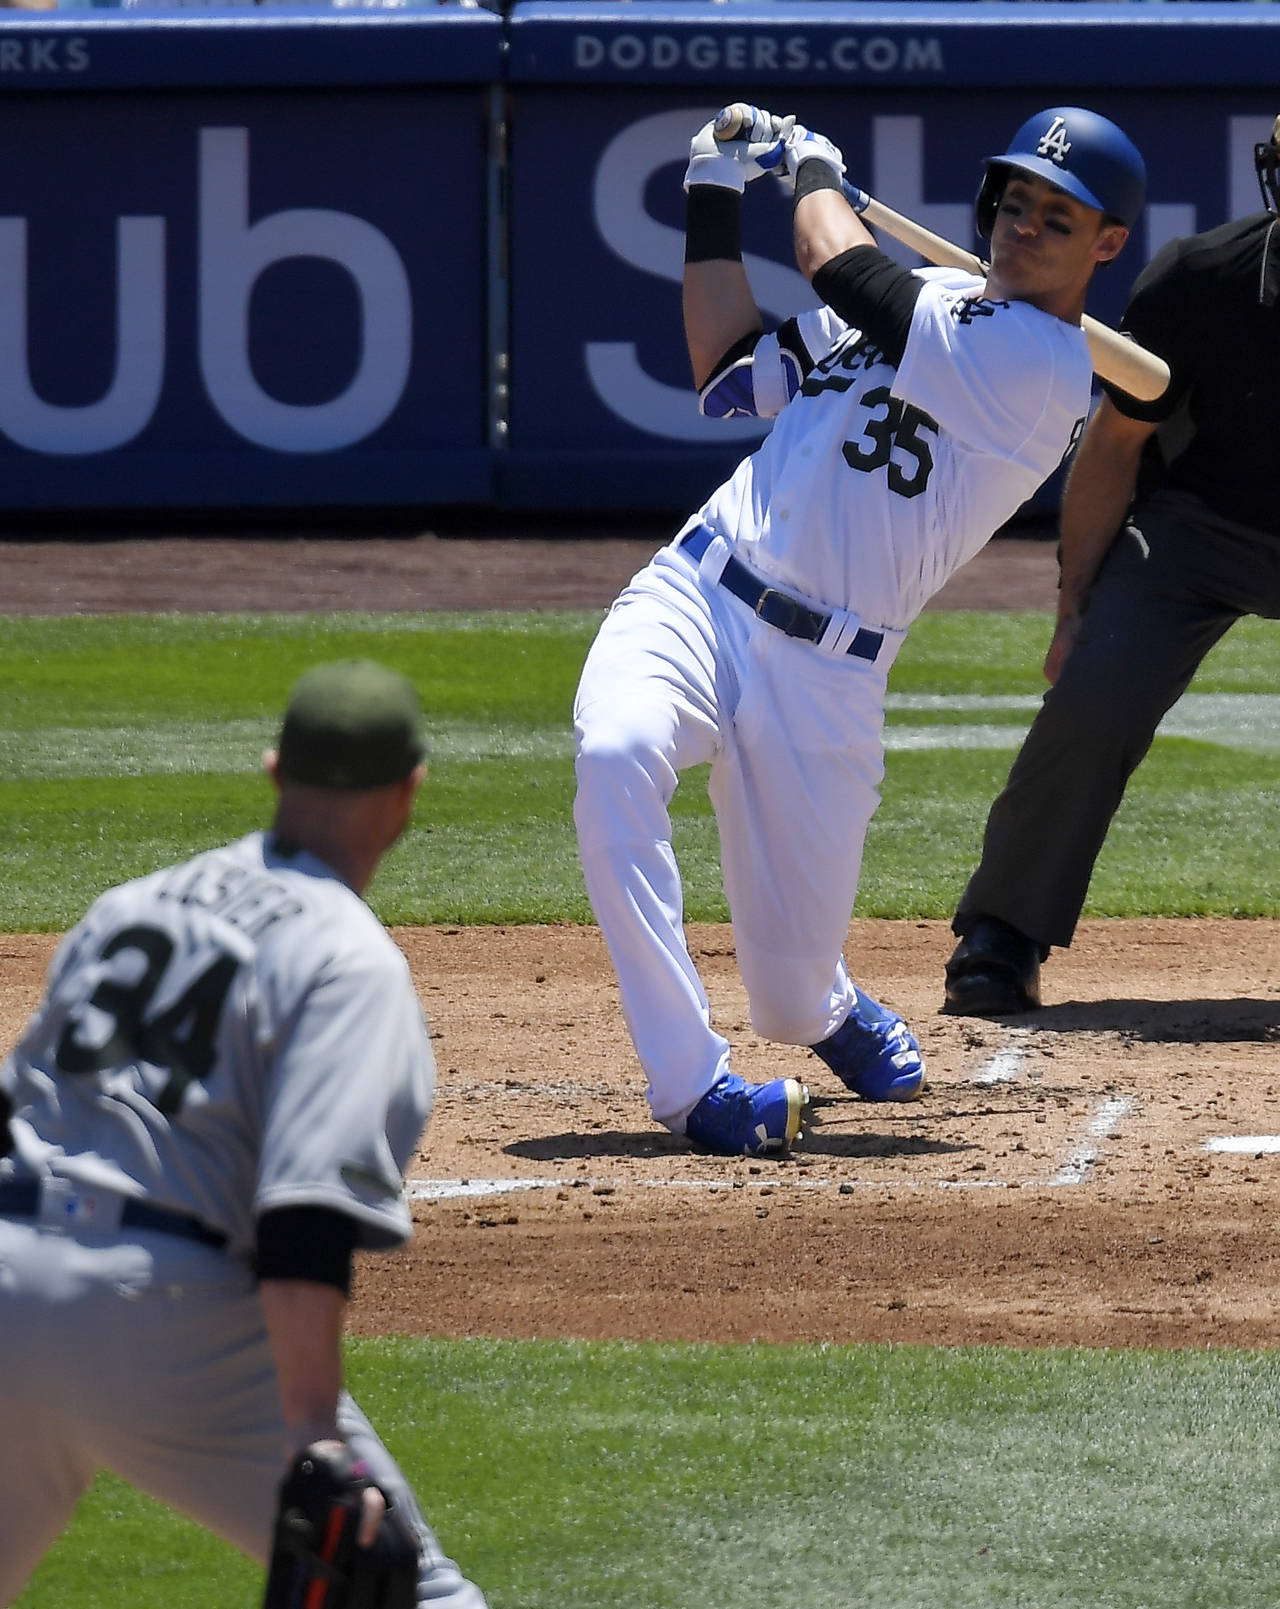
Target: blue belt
{"points": [[776, 608], [20, 1198]]}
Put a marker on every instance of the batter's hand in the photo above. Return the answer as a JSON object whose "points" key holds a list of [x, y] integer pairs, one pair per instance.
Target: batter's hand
{"points": [[803, 145], [336, 1543], [1064, 640], [732, 164]]}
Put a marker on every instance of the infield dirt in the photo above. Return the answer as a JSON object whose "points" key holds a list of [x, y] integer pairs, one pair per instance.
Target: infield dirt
{"points": [[1103, 1172]]}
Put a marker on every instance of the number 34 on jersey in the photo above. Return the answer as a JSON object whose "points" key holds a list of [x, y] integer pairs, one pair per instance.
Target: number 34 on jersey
{"points": [[144, 1015]]}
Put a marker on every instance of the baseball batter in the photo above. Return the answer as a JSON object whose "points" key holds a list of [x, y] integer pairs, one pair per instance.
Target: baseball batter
{"points": [[914, 413], [210, 1111]]}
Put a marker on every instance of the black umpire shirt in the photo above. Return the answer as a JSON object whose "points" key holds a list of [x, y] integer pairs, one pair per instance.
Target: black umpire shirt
{"points": [[1208, 305]]}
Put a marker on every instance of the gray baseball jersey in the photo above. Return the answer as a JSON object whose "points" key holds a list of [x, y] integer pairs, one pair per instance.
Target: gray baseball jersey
{"points": [[198, 1044], [229, 1036]]}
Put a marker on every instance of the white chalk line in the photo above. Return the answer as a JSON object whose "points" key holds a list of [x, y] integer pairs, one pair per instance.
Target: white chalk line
{"points": [[453, 1189], [1245, 1144], [1232, 720], [475, 1189], [1004, 1066], [1104, 1123], [163, 748]]}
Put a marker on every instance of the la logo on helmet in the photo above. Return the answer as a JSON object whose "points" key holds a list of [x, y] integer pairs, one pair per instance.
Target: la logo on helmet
{"points": [[1054, 142]]}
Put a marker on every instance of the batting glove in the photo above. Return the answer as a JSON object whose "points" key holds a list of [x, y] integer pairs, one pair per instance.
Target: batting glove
{"points": [[803, 145], [732, 164]]}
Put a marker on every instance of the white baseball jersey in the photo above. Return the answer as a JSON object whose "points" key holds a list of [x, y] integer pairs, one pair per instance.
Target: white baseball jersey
{"points": [[981, 410], [227, 1036]]}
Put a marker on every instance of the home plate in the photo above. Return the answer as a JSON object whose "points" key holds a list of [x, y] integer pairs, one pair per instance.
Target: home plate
{"points": [[1252, 1144]]}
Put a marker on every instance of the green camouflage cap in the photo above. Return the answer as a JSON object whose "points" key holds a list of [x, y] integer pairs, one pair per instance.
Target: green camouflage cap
{"points": [[351, 724]]}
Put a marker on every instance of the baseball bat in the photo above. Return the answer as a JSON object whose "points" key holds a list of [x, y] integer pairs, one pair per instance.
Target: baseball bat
{"points": [[1116, 358]]}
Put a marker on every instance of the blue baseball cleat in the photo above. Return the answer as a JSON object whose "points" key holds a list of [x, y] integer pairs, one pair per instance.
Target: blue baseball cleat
{"points": [[735, 1118], [874, 1054]]}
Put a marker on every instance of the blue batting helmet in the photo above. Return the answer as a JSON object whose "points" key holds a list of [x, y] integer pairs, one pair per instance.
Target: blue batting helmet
{"points": [[1080, 152]]}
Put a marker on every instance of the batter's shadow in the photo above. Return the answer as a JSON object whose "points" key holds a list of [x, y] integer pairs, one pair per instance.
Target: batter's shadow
{"points": [[820, 1139], [600, 1143], [1163, 1022]]}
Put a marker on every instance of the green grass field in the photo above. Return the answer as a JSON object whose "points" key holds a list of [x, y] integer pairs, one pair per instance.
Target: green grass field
{"points": [[611, 1476], [126, 742], [655, 1477]]}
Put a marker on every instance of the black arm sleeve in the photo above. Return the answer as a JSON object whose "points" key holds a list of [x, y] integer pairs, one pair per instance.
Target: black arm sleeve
{"points": [[6, 1112], [871, 292], [814, 175], [312, 1243], [712, 225]]}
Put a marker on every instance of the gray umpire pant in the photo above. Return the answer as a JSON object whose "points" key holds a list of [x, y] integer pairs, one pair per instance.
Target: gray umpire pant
{"points": [[1177, 578], [148, 1355]]}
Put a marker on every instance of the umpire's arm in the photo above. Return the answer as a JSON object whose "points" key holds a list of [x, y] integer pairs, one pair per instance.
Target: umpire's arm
{"points": [[1100, 487]]}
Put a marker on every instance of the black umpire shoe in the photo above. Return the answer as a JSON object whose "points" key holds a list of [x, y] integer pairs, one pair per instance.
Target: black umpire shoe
{"points": [[994, 971]]}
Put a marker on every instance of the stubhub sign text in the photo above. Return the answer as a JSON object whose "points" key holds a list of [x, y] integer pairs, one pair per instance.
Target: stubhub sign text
{"points": [[225, 276], [233, 254]]}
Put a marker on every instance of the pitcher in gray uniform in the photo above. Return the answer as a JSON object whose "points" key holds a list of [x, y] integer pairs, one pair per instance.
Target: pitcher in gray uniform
{"points": [[208, 1114]]}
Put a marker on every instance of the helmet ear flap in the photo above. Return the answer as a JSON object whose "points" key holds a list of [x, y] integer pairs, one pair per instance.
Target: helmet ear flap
{"points": [[987, 202]]}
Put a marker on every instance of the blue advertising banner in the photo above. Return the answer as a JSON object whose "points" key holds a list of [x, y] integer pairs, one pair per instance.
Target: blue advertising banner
{"points": [[216, 300], [846, 44], [603, 412], [281, 274], [170, 48]]}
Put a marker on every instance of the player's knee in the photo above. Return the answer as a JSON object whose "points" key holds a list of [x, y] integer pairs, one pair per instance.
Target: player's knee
{"points": [[620, 756], [623, 785]]}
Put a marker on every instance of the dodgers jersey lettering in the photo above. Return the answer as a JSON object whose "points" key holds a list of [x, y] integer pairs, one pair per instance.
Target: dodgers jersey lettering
{"points": [[986, 402], [173, 1059]]}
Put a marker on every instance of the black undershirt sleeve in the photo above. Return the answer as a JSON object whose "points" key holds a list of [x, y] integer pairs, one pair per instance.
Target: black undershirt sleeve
{"points": [[311, 1243], [791, 340], [873, 293]]}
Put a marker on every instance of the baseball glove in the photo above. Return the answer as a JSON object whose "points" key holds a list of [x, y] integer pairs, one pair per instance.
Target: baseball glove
{"points": [[316, 1562]]}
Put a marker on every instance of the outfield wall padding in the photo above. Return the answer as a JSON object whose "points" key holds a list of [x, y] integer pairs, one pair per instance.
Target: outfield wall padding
{"points": [[309, 257]]}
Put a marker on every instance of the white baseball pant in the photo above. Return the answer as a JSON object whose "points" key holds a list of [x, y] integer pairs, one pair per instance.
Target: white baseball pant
{"points": [[683, 673]]}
